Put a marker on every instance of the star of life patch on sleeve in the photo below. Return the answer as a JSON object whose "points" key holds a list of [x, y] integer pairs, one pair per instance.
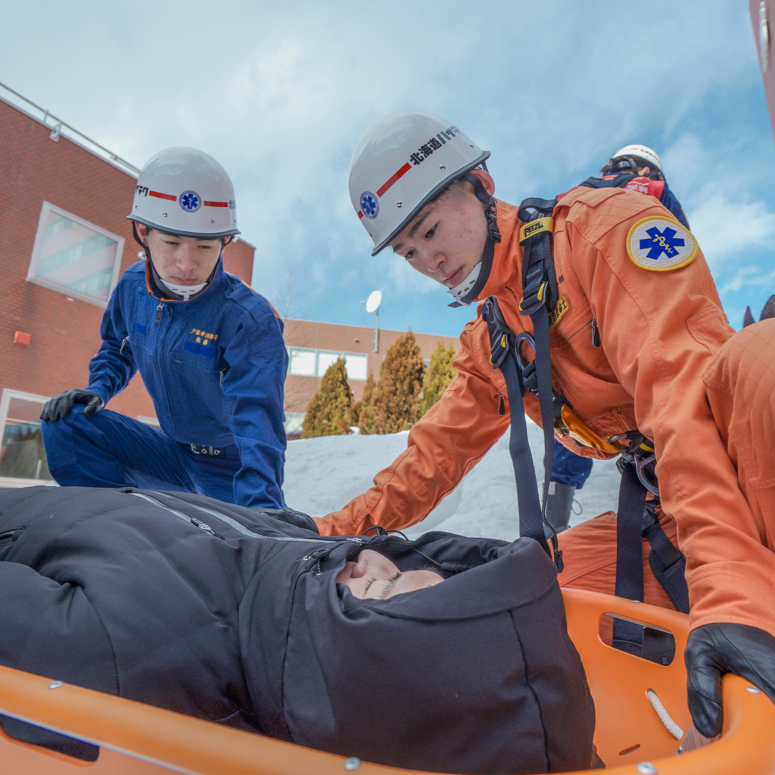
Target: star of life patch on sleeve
{"points": [[661, 244]]}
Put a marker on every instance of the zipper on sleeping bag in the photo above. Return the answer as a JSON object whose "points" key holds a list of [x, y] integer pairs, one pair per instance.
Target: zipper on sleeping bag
{"points": [[238, 526], [191, 520]]}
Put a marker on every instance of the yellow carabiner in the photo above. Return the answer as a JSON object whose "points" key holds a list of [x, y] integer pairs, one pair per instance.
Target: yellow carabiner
{"points": [[577, 429]]}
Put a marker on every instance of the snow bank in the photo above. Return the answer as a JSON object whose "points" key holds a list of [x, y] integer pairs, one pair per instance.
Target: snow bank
{"points": [[322, 475]]}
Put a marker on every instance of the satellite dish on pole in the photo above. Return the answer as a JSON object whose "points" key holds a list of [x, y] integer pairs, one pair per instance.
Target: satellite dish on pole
{"points": [[373, 302], [372, 305]]}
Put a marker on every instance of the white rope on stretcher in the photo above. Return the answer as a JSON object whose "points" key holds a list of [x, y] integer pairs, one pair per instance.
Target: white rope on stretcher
{"points": [[664, 716]]}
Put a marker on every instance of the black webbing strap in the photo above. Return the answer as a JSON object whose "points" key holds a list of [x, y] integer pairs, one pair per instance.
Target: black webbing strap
{"points": [[629, 556], [539, 289], [667, 563], [620, 181], [503, 357], [636, 518]]}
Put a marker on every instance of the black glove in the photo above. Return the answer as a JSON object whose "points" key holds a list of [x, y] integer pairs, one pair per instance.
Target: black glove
{"points": [[61, 405], [715, 649]]}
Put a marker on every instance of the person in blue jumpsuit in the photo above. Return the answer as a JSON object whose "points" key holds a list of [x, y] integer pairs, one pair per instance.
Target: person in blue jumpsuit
{"points": [[209, 349], [636, 167]]}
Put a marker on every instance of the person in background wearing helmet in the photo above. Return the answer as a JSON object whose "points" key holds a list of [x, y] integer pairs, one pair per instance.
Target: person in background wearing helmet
{"points": [[636, 168], [639, 343], [209, 349]]}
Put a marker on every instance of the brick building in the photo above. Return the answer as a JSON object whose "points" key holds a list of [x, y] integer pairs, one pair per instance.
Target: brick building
{"points": [[314, 346], [64, 242]]}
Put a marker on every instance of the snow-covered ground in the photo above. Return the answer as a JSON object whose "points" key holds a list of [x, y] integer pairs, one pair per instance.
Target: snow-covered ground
{"points": [[322, 475]]}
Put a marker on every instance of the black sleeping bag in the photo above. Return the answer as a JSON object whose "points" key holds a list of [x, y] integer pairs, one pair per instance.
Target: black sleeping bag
{"points": [[233, 615]]}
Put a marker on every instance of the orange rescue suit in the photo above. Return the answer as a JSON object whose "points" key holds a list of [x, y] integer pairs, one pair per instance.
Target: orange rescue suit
{"points": [[658, 333]]}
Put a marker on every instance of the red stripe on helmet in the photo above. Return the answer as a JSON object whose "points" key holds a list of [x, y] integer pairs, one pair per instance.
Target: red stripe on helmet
{"points": [[215, 204], [360, 214], [162, 196], [393, 178]]}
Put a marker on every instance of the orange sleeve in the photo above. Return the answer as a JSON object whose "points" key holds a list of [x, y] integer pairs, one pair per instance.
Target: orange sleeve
{"points": [[442, 447], [659, 331]]}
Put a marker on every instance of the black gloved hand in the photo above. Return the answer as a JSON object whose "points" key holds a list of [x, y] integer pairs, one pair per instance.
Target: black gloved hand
{"points": [[715, 649], [61, 405]]}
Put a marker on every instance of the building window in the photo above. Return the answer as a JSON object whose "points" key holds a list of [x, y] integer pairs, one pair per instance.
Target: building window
{"points": [[305, 362], [301, 362], [357, 365], [22, 457], [75, 257]]}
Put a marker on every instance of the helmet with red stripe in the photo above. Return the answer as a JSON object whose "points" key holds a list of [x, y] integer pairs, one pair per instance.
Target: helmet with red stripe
{"points": [[400, 164], [186, 192]]}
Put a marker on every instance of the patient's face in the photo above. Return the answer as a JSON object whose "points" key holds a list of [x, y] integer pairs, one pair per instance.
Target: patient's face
{"points": [[374, 576]]}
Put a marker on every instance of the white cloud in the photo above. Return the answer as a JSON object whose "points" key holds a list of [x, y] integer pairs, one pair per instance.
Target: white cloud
{"points": [[727, 229], [281, 93]]}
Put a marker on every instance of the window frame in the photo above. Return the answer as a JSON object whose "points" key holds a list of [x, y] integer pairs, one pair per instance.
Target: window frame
{"points": [[317, 352], [5, 403], [47, 208]]}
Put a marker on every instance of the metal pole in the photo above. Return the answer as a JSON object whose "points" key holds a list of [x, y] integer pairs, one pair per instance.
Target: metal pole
{"points": [[376, 332]]}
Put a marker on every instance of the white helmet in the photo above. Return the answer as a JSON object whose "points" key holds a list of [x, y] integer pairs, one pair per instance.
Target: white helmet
{"points": [[400, 163], [640, 152], [186, 192]]}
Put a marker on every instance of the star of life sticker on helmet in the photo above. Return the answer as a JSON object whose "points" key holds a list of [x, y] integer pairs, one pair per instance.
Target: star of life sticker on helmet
{"points": [[661, 244], [369, 205], [190, 201]]}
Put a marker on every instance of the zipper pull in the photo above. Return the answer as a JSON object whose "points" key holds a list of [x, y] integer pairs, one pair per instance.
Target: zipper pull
{"points": [[318, 555], [159, 311], [501, 405], [202, 526], [595, 334], [123, 345], [223, 371]]}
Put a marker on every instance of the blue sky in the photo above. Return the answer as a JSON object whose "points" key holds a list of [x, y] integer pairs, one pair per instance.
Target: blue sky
{"points": [[281, 94]]}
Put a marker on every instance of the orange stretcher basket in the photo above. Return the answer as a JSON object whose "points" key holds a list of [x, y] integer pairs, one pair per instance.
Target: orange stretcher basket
{"points": [[630, 737]]}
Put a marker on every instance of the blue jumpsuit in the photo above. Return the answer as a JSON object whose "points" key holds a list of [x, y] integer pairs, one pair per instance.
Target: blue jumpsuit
{"points": [[215, 368]]}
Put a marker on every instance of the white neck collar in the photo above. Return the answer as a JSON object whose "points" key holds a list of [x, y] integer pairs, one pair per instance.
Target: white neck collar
{"points": [[462, 289], [186, 291]]}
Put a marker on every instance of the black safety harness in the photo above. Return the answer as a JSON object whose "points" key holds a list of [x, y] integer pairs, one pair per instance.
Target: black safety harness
{"points": [[620, 181], [636, 517]]}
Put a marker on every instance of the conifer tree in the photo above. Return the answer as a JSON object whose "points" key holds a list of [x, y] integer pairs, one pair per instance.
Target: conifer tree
{"points": [[328, 411], [360, 411], [396, 400], [438, 377]]}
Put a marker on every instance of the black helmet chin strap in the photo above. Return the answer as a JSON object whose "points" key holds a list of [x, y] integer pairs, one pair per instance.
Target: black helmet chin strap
{"points": [[625, 164], [493, 236]]}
